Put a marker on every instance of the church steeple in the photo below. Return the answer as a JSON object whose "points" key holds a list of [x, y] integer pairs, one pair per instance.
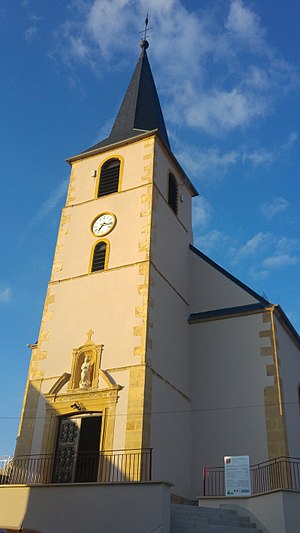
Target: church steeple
{"points": [[140, 110]]}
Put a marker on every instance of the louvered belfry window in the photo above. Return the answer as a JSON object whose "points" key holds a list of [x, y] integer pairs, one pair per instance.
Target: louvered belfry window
{"points": [[172, 194], [109, 177], [99, 256]]}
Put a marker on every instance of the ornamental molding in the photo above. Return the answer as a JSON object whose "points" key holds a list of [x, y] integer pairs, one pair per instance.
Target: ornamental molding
{"points": [[82, 395]]}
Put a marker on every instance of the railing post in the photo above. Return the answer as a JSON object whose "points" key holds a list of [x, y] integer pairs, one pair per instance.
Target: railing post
{"points": [[203, 480], [150, 465]]}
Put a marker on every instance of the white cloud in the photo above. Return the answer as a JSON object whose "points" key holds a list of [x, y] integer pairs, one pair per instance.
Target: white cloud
{"points": [[78, 48], [104, 131], [29, 33], [274, 206], [279, 261], [212, 241], [36, 18], [201, 212], [244, 24], [223, 109], [256, 244], [287, 244], [266, 251], [206, 164], [212, 163], [259, 157], [5, 295], [292, 138], [253, 244], [257, 274], [52, 201], [186, 46]]}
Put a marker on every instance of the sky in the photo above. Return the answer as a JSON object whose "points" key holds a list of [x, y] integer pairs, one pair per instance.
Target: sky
{"points": [[228, 77]]}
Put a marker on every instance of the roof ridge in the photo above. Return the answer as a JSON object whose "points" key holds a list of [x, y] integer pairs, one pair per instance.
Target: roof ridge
{"points": [[226, 312]]}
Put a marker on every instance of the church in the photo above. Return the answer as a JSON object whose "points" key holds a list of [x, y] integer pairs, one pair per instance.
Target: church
{"points": [[152, 361]]}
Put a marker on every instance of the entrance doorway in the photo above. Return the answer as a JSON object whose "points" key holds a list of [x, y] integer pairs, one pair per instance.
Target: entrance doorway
{"points": [[77, 450]]}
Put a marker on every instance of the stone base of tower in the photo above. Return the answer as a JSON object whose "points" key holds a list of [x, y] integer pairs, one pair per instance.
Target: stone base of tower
{"points": [[88, 508]]}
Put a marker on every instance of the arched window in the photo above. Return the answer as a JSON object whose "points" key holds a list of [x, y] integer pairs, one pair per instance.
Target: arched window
{"points": [[109, 177], [99, 256], [173, 194]]}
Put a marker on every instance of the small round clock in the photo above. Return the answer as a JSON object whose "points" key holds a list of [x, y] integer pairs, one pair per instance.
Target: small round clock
{"points": [[103, 224]]}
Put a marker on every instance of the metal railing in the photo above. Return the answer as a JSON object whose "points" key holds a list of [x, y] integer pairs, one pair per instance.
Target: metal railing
{"points": [[4, 460], [276, 474], [108, 467]]}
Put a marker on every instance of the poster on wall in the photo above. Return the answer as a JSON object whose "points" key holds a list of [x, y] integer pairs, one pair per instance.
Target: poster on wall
{"points": [[237, 475]]}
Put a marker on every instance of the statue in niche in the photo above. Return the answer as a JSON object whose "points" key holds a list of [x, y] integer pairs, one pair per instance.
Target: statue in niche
{"points": [[85, 377]]}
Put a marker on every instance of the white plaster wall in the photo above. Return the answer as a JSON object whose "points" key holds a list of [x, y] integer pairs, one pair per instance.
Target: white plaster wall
{"points": [[82, 170], [77, 245], [170, 247], [228, 377], [163, 165], [128, 507], [289, 370], [39, 424], [122, 378], [278, 512], [291, 507], [104, 301], [171, 437], [170, 334], [210, 289]]}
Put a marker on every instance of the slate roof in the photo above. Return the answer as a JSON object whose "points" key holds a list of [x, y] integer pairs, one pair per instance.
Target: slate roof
{"points": [[262, 303], [140, 110], [225, 312]]}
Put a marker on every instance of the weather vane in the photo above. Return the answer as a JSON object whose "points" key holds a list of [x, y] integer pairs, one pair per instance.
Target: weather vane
{"points": [[146, 29]]}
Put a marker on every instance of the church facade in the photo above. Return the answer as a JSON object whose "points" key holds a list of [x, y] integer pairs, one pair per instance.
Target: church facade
{"points": [[146, 345]]}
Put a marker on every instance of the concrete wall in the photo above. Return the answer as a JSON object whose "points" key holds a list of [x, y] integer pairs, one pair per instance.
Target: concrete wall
{"points": [[275, 512], [87, 508], [169, 334], [171, 233], [171, 437], [168, 346], [163, 165], [228, 378]]}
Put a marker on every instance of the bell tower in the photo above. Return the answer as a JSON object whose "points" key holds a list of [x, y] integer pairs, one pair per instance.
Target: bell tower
{"points": [[112, 344]]}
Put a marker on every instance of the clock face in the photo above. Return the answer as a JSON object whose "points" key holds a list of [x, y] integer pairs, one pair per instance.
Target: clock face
{"points": [[103, 224]]}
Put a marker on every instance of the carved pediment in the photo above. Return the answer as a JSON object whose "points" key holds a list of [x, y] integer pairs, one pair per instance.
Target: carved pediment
{"points": [[86, 372], [59, 384]]}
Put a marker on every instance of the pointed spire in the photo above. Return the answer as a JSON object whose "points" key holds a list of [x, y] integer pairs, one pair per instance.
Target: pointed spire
{"points": [[140, 110]]}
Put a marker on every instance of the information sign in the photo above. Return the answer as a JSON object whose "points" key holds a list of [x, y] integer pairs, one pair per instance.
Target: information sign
{"points": [[237, 475]]}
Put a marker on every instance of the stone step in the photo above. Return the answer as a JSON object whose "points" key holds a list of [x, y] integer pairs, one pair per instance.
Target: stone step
{"points": [[208, 528], [203, 511], [220, 524], [207, 510], [223, 523], [211, 517], [192, 519]]}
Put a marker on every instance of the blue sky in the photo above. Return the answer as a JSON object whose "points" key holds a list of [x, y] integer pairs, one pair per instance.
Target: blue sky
{"points": [[228, 76]]}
